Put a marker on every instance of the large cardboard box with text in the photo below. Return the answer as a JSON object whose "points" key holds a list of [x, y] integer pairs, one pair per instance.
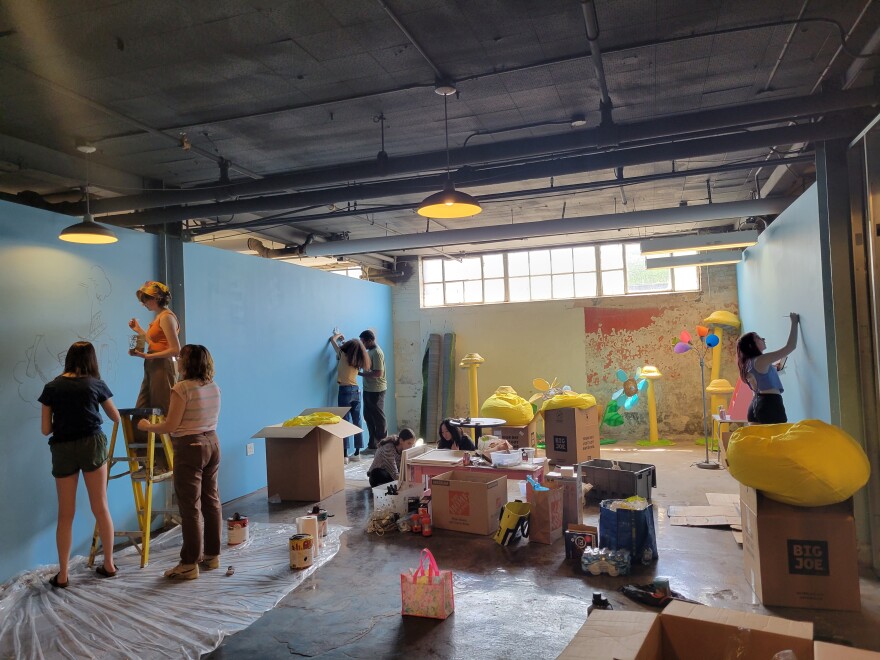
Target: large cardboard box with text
{"points": [[688, 631], [468, 501], [571, 435], [800, 556], [306, 463], [519, 436]]}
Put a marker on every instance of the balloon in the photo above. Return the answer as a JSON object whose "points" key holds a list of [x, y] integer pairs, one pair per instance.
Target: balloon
{"points": [[702, 330], [685, 336], [712, 341], [681, 347]]}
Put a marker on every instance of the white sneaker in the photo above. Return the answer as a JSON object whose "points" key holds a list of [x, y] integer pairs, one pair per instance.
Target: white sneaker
{"points": [[354, 458]]}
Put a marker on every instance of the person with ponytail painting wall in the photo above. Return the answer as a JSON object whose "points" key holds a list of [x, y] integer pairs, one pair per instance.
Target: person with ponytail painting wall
{"points": [[760, 371]]}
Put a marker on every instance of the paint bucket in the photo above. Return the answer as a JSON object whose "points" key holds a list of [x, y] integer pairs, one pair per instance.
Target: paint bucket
{"points": [[236, 529], [300, 551]]}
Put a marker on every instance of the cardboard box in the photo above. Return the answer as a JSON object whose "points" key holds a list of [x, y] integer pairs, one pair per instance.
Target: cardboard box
{"points": [[468, 501], [571, 435], [800, 556], [305, 463], [519, 436], [686, 631]]}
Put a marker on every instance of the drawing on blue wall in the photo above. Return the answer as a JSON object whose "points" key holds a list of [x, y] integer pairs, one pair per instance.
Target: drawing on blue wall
{"points": [[43, 359]]}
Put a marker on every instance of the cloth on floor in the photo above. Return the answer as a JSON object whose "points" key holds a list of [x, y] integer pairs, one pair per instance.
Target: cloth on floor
{"points": [[141, 614], [357, 471]]}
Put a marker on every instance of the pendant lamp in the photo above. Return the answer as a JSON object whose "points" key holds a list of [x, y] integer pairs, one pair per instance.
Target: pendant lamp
{"points": [[88, 231], [449, 202]]}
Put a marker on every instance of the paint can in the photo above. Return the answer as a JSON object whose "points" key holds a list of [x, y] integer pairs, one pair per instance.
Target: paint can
{"points": [[236, 529], [321, 514], [300, 551]]}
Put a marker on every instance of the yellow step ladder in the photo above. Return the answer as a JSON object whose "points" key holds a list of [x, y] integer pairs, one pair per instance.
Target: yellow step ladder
{"points": [[142, 468]]}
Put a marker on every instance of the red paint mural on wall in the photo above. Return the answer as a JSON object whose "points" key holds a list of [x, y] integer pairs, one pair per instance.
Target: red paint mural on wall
{"points": [[596, 319]]}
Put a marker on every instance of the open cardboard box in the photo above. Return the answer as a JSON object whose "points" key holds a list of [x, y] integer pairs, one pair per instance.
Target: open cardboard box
{"points": [[468, 501], [687, 631], [306, 463]]}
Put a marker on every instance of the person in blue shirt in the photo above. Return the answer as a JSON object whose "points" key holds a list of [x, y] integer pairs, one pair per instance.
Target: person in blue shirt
{"points": [[760, 371]]}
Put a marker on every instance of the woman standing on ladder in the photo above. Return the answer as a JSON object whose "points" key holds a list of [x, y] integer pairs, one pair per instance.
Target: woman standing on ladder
{"points": [[163, 347], [760, 371]]}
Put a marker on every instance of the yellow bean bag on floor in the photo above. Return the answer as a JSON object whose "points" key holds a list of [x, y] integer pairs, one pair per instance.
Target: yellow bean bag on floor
{"points": [[506, 404], [810, 463], [569, 399]]}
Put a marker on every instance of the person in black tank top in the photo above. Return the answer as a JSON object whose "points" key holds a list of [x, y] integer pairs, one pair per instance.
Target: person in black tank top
{"points": [[758, 370]]}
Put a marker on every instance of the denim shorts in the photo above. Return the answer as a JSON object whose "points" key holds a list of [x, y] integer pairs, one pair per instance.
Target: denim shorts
{"points": [[86, 454]]}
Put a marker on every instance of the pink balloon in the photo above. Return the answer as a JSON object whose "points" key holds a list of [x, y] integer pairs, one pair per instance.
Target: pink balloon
{"points": [[685, 336], [681, 347]]}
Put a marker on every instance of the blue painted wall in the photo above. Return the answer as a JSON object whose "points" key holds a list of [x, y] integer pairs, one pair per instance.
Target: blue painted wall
{"points": [[266, 323], [52, 294], [783, 274]]}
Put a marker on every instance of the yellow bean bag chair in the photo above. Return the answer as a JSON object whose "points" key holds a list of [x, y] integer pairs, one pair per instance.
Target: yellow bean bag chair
{"points": [[569, 399], [506, 404], [810, 463]]}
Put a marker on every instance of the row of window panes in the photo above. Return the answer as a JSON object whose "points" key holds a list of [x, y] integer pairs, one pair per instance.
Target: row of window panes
{"points": [[549, 274]]}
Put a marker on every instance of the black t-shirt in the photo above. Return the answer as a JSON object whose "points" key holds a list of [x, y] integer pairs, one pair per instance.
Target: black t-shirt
{"points": [[74, 403]]}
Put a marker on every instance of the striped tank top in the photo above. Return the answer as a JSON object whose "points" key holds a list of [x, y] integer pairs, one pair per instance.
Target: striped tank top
{"points": [[201, 407]]}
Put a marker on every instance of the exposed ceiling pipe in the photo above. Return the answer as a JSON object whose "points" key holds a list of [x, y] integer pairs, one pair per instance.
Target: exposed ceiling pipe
{"points": [[674, 126], [437, 72], [586, 224], [550, 62], [591, 23], [843, 127], [531, 193]]}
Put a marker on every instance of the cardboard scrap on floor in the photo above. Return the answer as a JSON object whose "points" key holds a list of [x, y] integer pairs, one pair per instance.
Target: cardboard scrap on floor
{"points": [[723, 511]]}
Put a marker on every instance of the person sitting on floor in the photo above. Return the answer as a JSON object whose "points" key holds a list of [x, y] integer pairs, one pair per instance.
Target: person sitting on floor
{"points": [[451, 437], [385, 467]]}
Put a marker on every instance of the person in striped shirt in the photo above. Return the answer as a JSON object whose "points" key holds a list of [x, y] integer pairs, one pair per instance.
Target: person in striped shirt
{"points": [[192, 423]]}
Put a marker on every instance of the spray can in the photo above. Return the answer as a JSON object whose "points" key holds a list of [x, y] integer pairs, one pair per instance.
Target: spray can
{"points": [[416, 524], [599, 603]]}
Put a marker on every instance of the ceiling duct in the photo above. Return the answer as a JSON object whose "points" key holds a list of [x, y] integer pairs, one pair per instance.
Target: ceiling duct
{"points": [[497, 233]]}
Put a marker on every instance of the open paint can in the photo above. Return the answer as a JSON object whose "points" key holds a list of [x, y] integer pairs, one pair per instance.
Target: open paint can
{"points": [[300, 551], [236, 529], [321, 515]]}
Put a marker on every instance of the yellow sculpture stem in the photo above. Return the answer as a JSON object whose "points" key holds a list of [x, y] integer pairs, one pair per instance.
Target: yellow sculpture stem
{"points": [[652, 413], [472, 389]]}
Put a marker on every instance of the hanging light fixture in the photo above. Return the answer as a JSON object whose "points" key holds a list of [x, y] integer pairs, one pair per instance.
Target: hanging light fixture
{"points": [[87, 231], [449, 202]]}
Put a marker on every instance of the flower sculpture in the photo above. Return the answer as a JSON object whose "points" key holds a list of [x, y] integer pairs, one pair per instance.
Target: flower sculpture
{"points": [[628, 395], [701, 345]]}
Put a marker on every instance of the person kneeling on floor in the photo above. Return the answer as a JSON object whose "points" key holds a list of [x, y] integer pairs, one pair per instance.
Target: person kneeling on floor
{"points": [[385, 467]]}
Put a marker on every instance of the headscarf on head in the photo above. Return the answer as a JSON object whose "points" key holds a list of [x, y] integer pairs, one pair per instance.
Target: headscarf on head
{"points": [[153, 289]]}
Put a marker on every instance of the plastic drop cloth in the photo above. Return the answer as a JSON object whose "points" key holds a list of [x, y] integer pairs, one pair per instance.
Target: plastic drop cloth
{"points": [[141, 614]]}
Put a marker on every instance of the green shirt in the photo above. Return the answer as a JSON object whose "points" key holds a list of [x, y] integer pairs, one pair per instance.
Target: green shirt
{"points": [[377, 359]]}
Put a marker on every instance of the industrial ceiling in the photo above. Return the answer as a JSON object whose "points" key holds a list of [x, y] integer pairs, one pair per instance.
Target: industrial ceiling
{"points": [[229, 120]]}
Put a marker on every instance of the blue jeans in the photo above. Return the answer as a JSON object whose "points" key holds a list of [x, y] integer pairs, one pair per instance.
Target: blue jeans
{"points": [[350, 396]]}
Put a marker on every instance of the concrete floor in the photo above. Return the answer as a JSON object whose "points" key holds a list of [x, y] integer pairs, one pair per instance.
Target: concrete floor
{"points": [[514, 602]]}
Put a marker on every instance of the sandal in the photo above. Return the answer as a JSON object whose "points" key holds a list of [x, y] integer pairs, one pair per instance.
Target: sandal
{"points": [[56, 584], [103, 572]]}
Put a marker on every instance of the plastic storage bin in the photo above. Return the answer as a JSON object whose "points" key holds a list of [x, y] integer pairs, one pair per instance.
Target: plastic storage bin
{"points": [[610, 483], [504, 458]]}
